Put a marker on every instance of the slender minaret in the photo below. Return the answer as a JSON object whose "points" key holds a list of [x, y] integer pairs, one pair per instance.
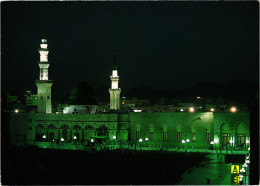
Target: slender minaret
{"points": [[114, 90], [44, 84]]}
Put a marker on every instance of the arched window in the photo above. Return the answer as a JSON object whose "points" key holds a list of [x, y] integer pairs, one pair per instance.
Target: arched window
{"points": [[40, 126], [102, 131], [76, 127], [65, 127], [89, 127], [51, 126], [64, 134]]}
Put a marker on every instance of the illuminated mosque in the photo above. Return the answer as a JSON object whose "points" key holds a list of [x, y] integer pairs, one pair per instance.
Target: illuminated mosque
{"points": [[88, 125]]}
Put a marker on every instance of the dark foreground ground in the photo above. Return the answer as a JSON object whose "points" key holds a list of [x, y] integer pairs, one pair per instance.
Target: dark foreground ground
{"points": [[48, 166]]}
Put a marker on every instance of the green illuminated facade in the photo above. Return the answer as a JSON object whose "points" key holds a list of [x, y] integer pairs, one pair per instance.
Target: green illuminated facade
{"points": [[198, 130], [161, 129]]}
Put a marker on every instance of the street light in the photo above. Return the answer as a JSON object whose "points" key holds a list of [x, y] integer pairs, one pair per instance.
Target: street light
{"points": [[146, 139], [183, 142], [191, 109], [140, 140], [231, 141], [16, 110], [76, 142], [233, 109], [212, 109], [212, 143]]}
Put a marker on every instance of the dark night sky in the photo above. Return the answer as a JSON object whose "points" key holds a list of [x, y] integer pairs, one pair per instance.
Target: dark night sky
{"points": [[166, 45]]}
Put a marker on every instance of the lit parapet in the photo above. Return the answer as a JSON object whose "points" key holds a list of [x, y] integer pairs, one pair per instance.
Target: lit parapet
{"points": [[114, 73], [45, 46]]}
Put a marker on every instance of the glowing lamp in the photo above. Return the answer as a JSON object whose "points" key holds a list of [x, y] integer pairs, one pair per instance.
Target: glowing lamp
{"points": [[212, 143], [16, 110], [188, 140], [92, 140], [233, 109], [44, 136], [182, 110], [62, 139], [215, 140], [140, 140], [212, 109], [191, 109], [183, 141], [75, 137], [114, 137], [146, 139]]}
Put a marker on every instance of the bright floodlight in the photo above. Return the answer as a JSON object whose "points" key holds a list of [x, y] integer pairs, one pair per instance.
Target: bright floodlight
{"points": [[191, 109], [212, 109], [75, 137], [183, 141], [233, 109], [212, 142], [146, 139], [62, 139], [188, 140], [140, 140], [92, 140], [44, 136], [114, 137], [16, 110]]}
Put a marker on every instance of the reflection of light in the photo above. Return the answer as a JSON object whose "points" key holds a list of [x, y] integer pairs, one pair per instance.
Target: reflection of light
{"points": [[140, 140], [212, 109], [233, 109], [183, 141], [191, 109]]}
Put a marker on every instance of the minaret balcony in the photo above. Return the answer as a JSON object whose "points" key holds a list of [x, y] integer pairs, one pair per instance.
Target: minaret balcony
{"points": [[43, 81]]}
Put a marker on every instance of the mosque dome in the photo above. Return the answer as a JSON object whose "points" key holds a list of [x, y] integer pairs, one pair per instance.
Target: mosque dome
{"points": [[82, 94]]}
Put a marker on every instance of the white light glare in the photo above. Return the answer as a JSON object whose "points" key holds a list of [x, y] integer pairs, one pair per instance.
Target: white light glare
{"points": [[183, 141]]}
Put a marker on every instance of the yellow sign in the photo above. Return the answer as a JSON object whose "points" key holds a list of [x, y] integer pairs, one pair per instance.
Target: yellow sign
{"points": [[235, 169], [235, 179]]}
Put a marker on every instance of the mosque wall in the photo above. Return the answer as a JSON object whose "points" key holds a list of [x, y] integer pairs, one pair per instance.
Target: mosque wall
{"points": [[159, 129]]}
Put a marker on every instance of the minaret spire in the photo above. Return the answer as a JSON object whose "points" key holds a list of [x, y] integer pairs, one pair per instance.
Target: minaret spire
{"points": [[114, 90], [44, 84]]}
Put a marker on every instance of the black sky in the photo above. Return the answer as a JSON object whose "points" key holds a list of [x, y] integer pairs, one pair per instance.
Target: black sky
{"points": [[166, 45]]}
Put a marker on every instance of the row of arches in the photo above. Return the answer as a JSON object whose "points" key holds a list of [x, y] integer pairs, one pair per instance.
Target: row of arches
{"points": [[88, 127]]}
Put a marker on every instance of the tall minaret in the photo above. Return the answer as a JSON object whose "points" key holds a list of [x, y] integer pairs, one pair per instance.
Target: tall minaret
{"points": [[44, 84], [114, 90]]}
